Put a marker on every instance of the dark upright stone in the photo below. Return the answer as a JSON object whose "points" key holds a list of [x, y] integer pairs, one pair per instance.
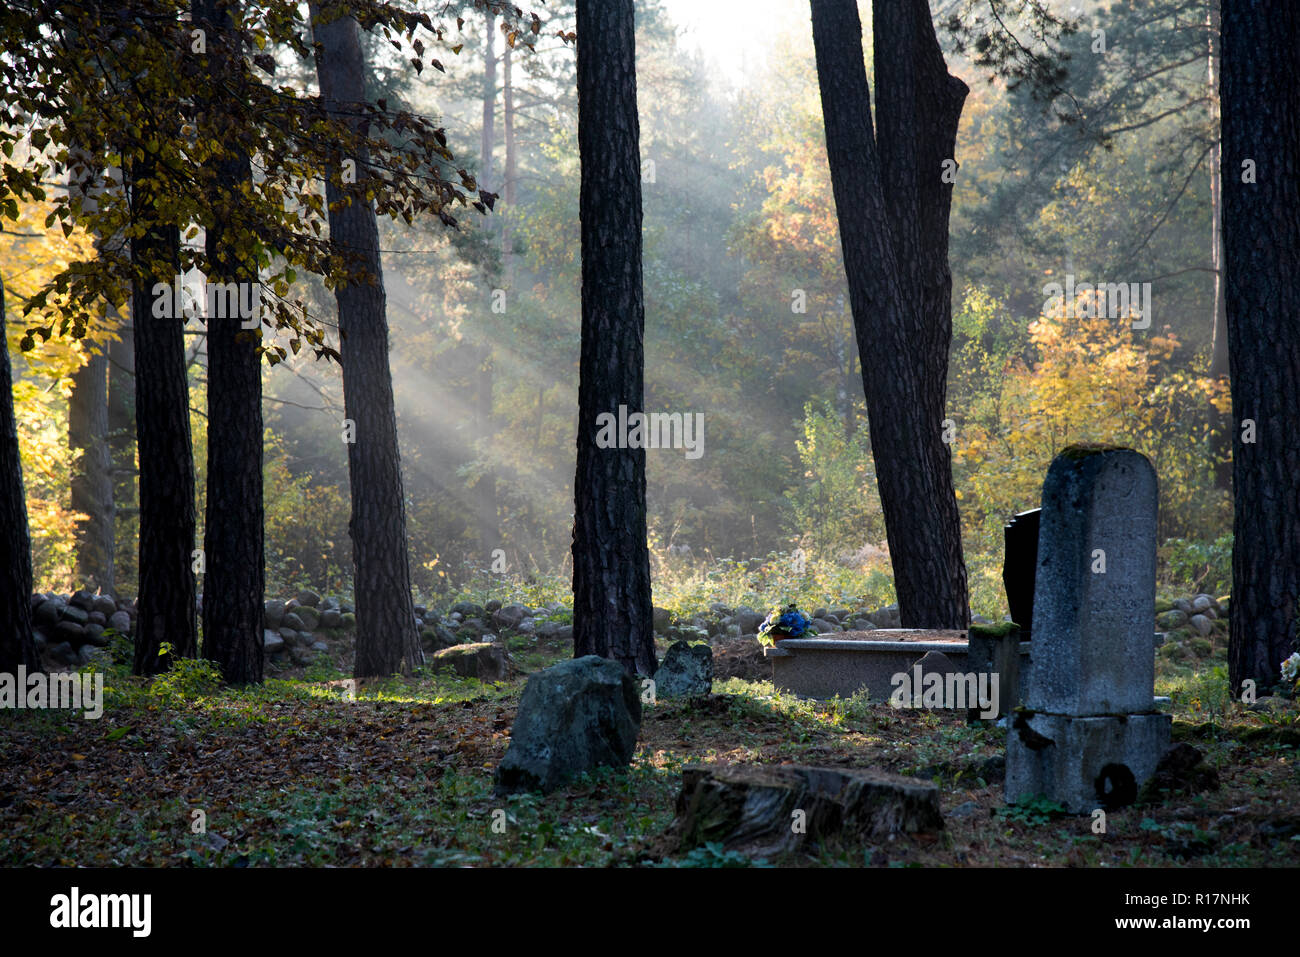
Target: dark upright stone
{"points": [[1019, 568]]}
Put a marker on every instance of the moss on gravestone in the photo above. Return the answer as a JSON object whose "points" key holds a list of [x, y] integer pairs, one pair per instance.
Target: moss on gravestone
{"points": [[1000, 630]]}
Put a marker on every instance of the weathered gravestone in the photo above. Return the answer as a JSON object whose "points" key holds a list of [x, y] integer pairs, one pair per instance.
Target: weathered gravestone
{"points": [[1088, 736]]}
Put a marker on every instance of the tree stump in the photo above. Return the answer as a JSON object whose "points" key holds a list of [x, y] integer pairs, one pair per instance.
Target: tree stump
{"points": [[776, 809]]}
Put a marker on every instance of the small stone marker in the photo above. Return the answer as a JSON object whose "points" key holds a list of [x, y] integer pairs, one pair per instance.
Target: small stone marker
{"points": [[1020, 566], [1089, 736], [686, 672]]}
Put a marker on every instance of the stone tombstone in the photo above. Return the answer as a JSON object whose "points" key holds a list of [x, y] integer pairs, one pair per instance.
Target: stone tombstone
{"points": [[1089, 735], [1020, 566], [1095, 586]]}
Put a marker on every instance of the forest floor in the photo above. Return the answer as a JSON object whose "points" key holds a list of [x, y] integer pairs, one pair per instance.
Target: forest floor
{"points": [[294, 773]]}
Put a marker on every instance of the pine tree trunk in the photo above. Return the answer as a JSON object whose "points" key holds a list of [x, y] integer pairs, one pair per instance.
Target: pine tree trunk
{"points": [[121, 443], [235, 579], [1220, 424], [91, 486], [166, 604], [612, 615], [1261, 245], [896, 261], [17, 646], [387, 642]]}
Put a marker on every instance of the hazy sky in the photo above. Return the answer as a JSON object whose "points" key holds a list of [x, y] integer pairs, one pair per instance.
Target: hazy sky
{"points": [[737, 34]]}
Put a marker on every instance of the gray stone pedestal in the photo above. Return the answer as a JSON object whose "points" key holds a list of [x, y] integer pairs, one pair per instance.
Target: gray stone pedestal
{"points": [[1083, 762]]}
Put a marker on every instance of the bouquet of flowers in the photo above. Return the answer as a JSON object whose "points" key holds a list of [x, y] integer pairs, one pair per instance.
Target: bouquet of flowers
{"points": [[1291, 670], [791, 623]]}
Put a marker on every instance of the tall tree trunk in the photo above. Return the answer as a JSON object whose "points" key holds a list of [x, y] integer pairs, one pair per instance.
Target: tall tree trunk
{"points": [[512, 162], [612, 614], [387, 642], [91, 486], [235, 578], [17, 646], [1220, 424], [166, 604], [121, 443], [1261, 245], [896, 262], [485, 491]]}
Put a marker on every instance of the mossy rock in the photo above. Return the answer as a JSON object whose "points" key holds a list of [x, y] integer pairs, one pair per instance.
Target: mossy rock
{"points": [[1164, 606], [1201, 647], [999, 630], [349, 622]]}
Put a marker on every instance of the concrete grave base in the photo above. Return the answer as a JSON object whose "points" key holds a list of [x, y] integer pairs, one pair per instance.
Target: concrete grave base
{"points": [[1083, 763], [855, 661]]}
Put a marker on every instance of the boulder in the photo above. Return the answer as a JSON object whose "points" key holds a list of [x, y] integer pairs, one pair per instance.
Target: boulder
{"points": [[510, 615], [492, 605], [273, 617], [331, 618], [294, 621], [436, 637], [1171, 619], [468, 609], [687, 671], [749, 621], [83, 600], [751, 808], [120, 622], [71, 632], [95, 635], [663, 619], [74, 613], [576, 716], [484, 660], [308, 598], [309, 616], [104, 604], [1202, 624], [271, 642]]}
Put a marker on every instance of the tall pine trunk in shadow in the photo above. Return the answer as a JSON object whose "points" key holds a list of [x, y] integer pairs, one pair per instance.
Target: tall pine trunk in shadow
{"points": [[235, 578], [166, 603], [17, 646], [1261, 245], [893, 203], [387, 642], [612, 614]]}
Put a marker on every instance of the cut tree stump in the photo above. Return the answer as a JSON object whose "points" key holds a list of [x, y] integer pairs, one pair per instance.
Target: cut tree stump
{"points": [[755, 808]]}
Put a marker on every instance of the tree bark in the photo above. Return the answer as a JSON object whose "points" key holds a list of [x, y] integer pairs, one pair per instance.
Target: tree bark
{"points": [[121, 443], [235, 578], [166, 604], [91, 487], [512, 161], [1261, 245], [17, 646], [896, 262], [387, 642], [1220, 425], [612, 615]]}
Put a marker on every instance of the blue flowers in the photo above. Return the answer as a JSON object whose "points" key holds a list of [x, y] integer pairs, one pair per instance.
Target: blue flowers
{"points": [[791, 623]]}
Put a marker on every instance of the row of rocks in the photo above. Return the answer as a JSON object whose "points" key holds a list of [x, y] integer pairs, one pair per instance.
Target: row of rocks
{"points": [[723, 621], [68, 627]]}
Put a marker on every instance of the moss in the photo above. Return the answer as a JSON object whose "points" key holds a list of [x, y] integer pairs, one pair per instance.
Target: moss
{"points": [[1085, 449], [1000, 630], [1164, 606]]}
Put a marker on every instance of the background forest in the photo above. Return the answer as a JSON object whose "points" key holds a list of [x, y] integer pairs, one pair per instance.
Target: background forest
{"points": [[1107, 179]]}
